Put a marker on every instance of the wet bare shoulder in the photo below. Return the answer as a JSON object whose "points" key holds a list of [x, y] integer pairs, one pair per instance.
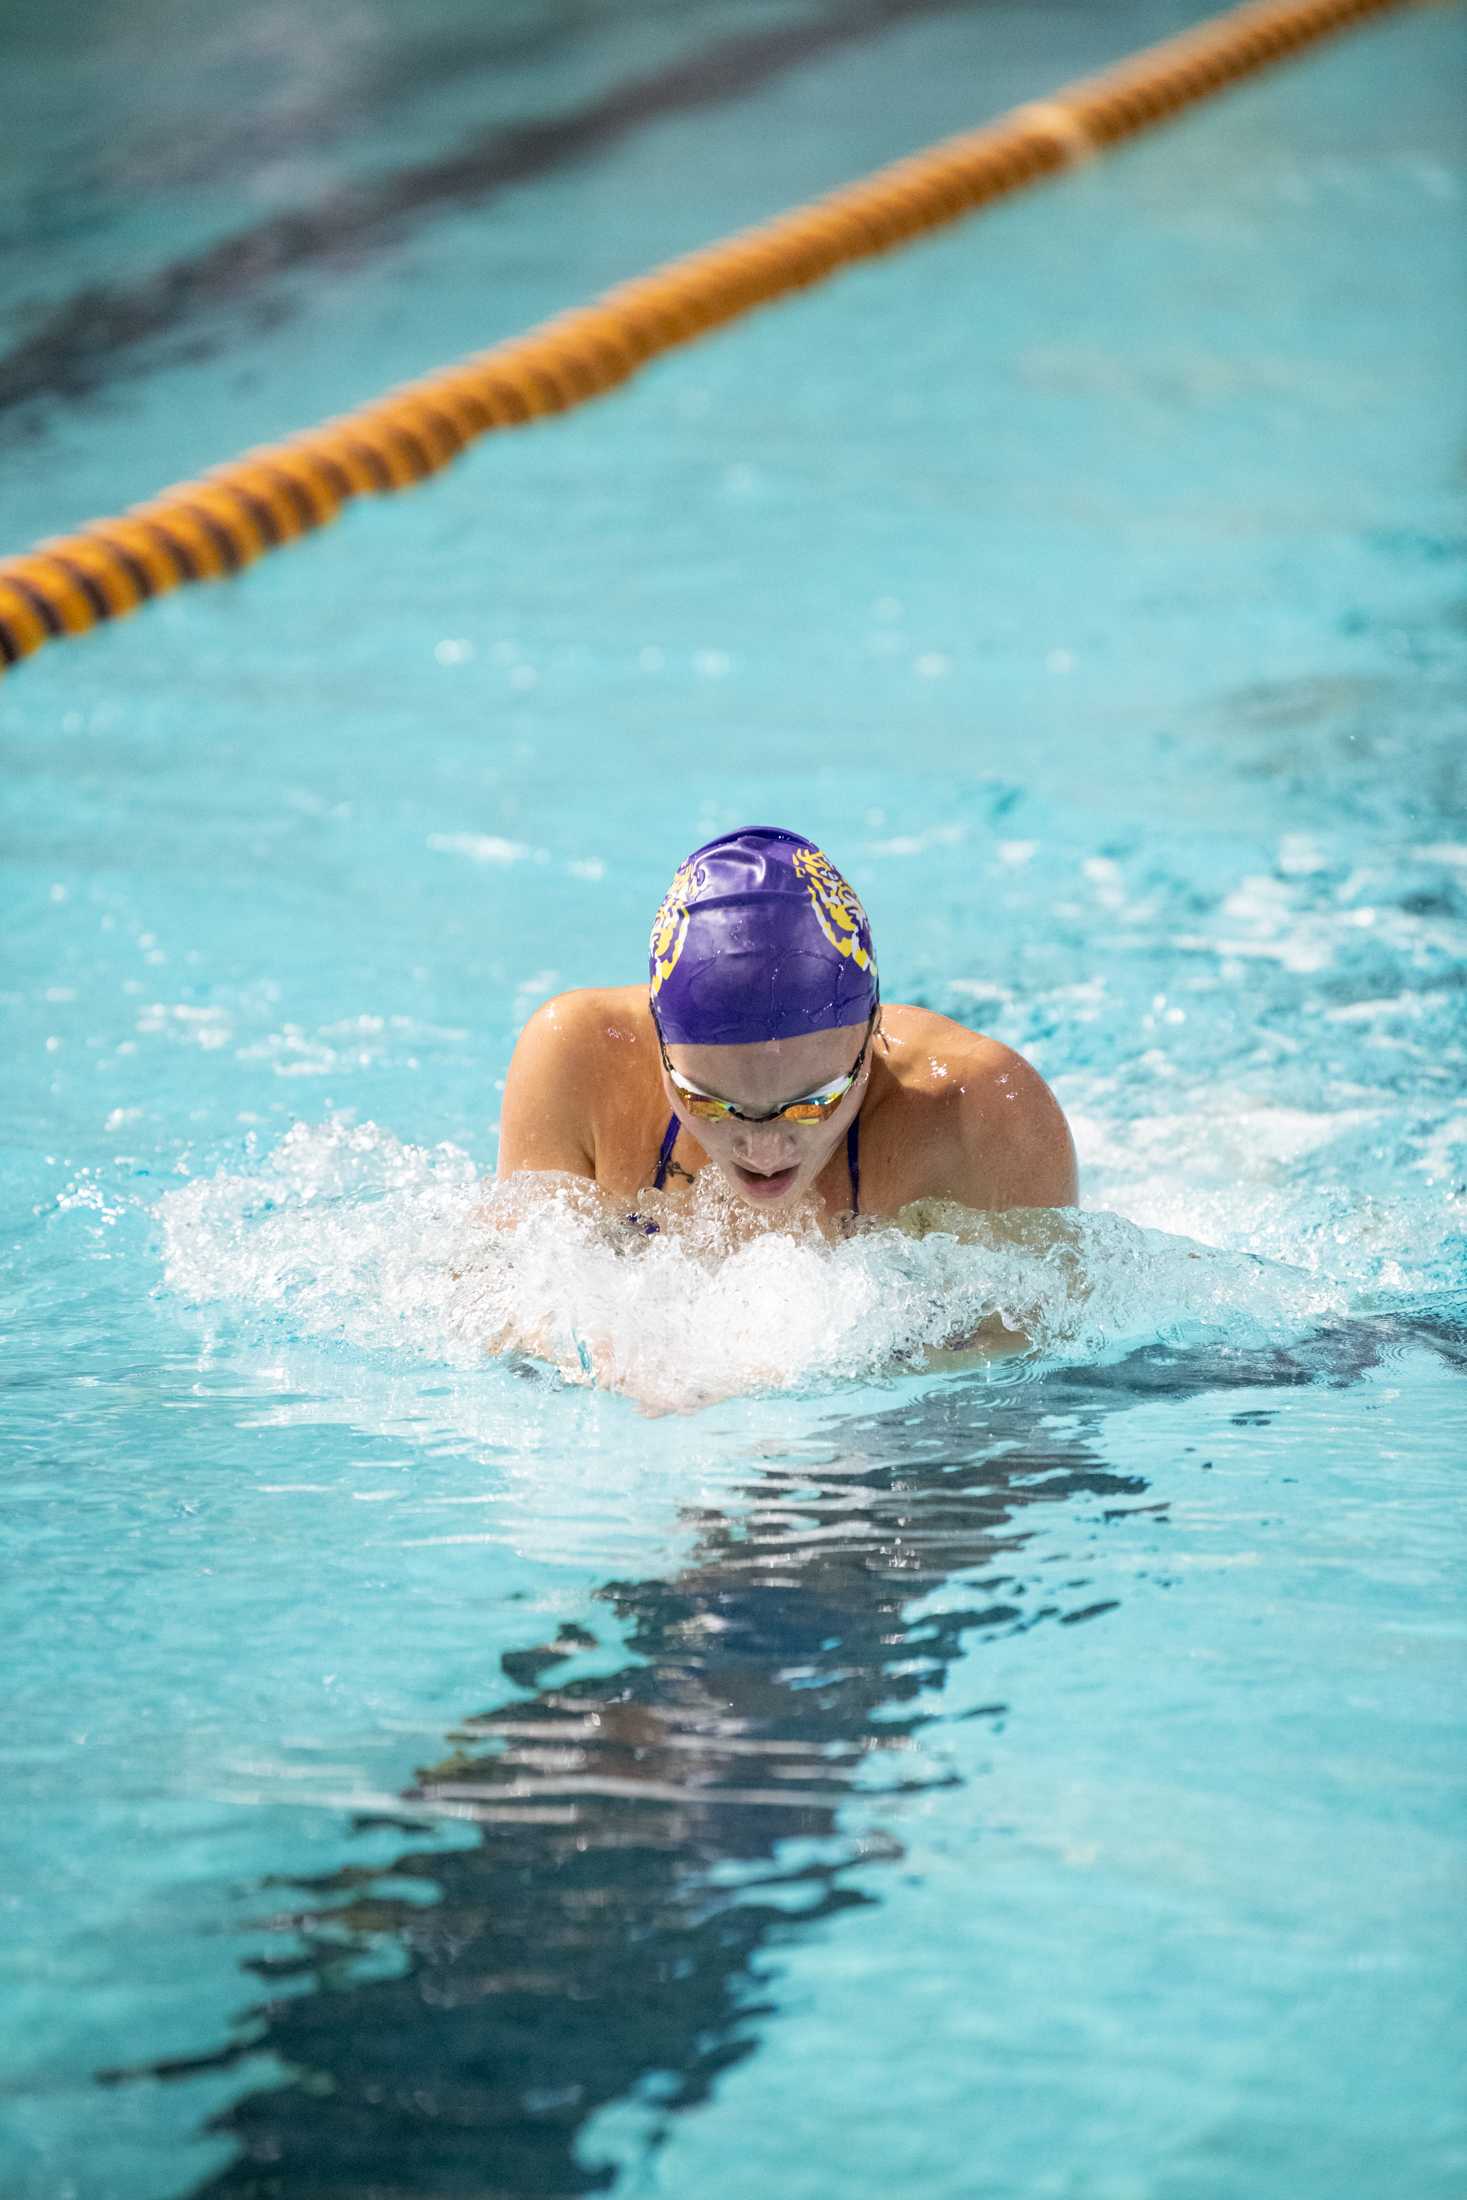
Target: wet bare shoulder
{"points": [[988, 1130], [576, 1050], [931, 1054], [595, 1026], [613, 1049]]}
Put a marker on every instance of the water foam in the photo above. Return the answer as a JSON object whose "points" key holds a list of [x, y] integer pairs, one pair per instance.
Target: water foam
{"points": [[346, 1233]]}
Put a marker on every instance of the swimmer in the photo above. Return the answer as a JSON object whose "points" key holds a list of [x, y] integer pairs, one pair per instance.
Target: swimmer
{"points": [[761, 1048]]}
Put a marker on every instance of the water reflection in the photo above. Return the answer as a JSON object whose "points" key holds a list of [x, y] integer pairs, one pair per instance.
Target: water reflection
{"points": [[647, 1840]]}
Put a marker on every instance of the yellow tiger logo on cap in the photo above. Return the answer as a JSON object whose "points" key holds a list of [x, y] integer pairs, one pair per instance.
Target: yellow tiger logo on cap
{"points": [[837, 906], [670, 928]]}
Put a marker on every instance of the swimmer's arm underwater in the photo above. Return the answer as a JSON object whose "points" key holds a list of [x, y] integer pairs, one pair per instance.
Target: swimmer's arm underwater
{"points": [[1053, 1235], [1000, 1170]]}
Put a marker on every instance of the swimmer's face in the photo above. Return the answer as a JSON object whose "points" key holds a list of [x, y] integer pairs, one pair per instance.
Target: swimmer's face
{"points": [[771, 1165]]}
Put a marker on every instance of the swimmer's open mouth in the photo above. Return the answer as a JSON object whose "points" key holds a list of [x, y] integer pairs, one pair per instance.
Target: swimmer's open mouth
{"points": [[765, 1187]]}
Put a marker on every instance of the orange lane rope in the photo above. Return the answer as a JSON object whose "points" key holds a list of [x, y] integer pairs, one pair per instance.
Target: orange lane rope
{"points": [[202, 530]]}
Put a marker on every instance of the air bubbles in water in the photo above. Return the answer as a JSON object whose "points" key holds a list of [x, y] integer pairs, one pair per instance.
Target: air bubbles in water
{"points": [[346, 1233]]}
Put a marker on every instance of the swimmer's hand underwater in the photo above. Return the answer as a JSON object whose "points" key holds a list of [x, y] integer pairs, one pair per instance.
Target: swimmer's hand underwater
{"points": [[546, 1340], [696, 1313]]}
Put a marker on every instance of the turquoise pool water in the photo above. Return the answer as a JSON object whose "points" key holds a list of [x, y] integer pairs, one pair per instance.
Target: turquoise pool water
{"points": [[426, 1777]]}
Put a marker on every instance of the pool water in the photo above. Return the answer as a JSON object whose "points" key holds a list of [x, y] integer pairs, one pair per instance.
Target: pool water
{"points": [[816, 1770]]}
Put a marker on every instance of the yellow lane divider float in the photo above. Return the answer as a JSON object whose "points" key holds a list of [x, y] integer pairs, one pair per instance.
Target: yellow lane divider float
{"points": [[202, 530]]}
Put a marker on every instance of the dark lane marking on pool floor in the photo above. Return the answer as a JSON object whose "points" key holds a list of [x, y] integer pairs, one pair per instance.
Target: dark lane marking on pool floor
{"points": [[83, 344], [217, 147], [613, 1926]]}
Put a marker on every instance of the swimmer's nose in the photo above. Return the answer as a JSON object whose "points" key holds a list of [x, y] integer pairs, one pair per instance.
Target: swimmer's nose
{"points": [[767, 1150]]}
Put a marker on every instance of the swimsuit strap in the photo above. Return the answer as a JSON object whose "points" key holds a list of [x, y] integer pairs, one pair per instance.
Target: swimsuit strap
{"points": [[669, 1140]]}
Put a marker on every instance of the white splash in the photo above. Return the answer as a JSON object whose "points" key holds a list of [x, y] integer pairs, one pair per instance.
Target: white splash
{"points": [[1292, 1185], [345, 1233]]}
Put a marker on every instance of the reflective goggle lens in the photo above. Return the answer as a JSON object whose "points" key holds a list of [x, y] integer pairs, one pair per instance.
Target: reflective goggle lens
{"points": [[707, 1110], [814, 1109]]}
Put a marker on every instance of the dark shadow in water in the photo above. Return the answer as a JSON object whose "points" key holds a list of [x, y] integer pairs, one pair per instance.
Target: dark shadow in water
{"points": [[83, 343], [609, 1935]]}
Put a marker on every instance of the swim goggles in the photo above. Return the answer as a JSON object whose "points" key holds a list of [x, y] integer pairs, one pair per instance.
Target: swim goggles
{"points": [[811, 1107]]}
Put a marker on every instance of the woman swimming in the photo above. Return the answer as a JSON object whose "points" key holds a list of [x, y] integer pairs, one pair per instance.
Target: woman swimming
{"points": [[761, 1048]]}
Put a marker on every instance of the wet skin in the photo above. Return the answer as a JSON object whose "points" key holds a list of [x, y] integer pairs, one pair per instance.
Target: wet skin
{"points": [[946, 1113]]}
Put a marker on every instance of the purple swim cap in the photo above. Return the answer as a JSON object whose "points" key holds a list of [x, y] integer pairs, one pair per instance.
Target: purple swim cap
{"points": [[759, 937]]}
